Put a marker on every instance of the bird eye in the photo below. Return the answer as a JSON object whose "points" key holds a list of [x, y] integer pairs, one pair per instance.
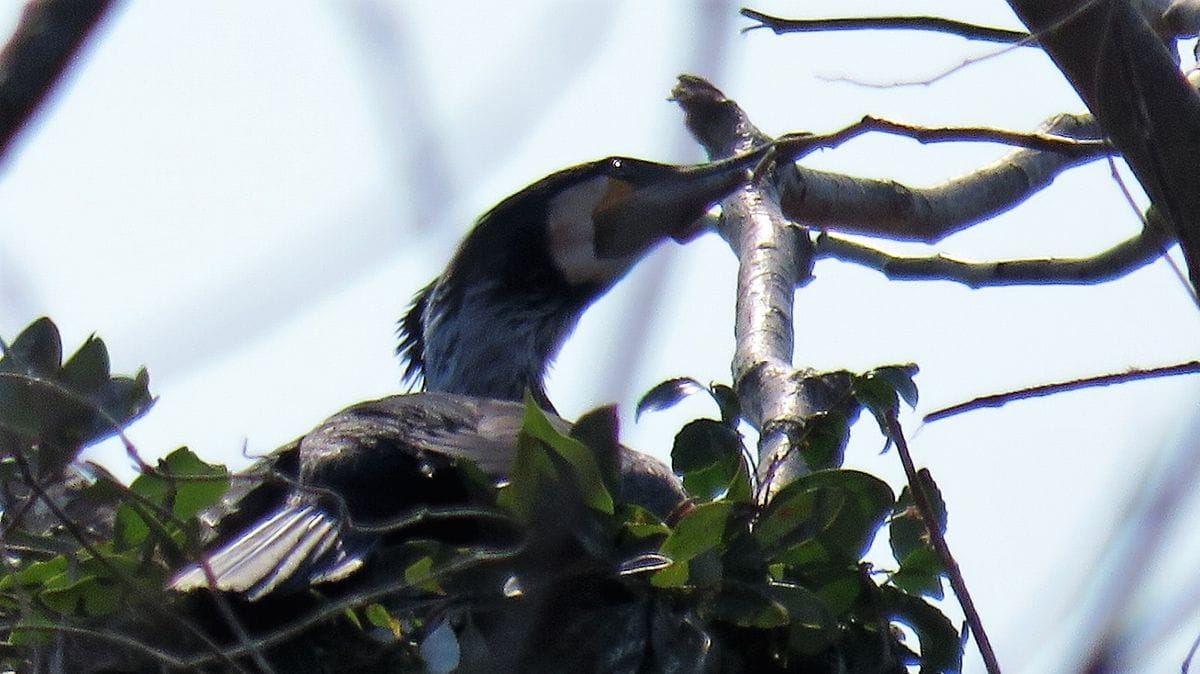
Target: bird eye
{"points": [[615, 164]]}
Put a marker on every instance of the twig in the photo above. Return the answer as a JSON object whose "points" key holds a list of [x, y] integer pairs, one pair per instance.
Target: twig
{"points": [[330, 609], [47, 38], [938, 541], [1131, 254], [936, 24], [999, 399], [118, 574], [111, 637]]}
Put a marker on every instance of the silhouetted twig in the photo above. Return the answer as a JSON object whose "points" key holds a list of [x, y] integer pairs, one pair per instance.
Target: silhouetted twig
{"points": [[935, 24]]}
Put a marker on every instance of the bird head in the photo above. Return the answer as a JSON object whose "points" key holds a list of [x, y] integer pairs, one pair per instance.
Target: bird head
{"points": [[493, 320]]}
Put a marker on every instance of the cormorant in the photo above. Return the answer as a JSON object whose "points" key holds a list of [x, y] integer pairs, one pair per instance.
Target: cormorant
{"points": [[479, 336]]}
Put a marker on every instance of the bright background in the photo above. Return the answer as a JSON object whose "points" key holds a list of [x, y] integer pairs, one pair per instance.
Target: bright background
{"points": [[244, 196]]}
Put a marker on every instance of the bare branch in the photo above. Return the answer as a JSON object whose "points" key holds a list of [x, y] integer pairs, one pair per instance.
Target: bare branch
{"points": [[49, 35], [936, 24], [1000, 399], [773, 260], [890, 210], [1130, 81], [1117, 261], [938, 541]]}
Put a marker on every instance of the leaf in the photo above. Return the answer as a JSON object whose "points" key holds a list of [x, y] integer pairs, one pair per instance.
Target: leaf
{"points": [[941, 647], [920, 574], [708, 454], [576, 454], [824, 440], [64, 407], [702, 529], [667, 394], [183, 486], [866, 501], [86, 596], [37, 350], [728, 402], [795, 514], [88, 368], [197, 485], [900, 378], [36, 573], [378, 616]]}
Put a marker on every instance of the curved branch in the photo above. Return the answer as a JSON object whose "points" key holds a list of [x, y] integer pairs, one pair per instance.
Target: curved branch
{"points": [[1117, 261], [936, 24], [890, 210], [49, 35]]}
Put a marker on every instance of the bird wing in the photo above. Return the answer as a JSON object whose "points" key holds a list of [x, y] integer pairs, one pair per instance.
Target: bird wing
{"points": [[296, 544]]}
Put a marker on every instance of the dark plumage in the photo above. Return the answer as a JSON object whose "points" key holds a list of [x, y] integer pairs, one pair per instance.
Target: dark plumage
{"points": [[479, 337]]}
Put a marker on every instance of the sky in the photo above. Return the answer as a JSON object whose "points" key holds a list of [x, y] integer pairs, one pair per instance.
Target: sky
{"points": [[244, 199]]}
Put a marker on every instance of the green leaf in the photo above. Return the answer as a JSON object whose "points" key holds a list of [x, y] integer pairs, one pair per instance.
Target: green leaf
{"points": [[37, 350], [197, 485], [574, 452], [667, 394], [941, 646], [920, 574], [877, 395], [709, 456], [88, 369], [36, 573], [750, 605], [64, 406], [182, 485], [423, 575], [900, 378], [729, 403], [824, 440], [921, 568], [86, 596], [795, 514], [865, 502], [702, 529]]}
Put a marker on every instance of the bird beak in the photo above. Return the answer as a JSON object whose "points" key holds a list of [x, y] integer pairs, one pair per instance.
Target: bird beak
{"points": [[633, 217]]}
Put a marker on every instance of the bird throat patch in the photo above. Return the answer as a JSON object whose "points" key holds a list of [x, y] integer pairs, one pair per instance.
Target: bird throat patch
{"points": [[572, 223]]}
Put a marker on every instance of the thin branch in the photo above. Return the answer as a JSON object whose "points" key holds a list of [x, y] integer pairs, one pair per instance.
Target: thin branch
{"points": [[953, 572], [47, 38], [119, 574], [999, 399], [935, 24], [1131, 254]]}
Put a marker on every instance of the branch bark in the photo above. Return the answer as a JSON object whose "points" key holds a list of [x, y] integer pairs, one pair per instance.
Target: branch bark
{"points": [[1130, 82], [47, 38], [775, 256], [888, 209]]}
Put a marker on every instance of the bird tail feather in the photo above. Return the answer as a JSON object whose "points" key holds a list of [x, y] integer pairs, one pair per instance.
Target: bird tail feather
{"points": [[299, 545]]}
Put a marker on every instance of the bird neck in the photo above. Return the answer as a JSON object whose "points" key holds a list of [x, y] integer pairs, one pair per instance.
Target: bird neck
{"points": [[494, 345]]}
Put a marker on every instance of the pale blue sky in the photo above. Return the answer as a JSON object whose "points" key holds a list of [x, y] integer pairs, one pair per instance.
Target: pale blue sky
{"points": [[244, 196]]}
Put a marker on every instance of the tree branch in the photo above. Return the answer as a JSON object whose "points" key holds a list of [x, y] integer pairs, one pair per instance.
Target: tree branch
{"points": [[773, 260], [1130, 82], [938, 541], [1000, 399], [890, 210], [47, 38], [936, 24], [1117, 261]]}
